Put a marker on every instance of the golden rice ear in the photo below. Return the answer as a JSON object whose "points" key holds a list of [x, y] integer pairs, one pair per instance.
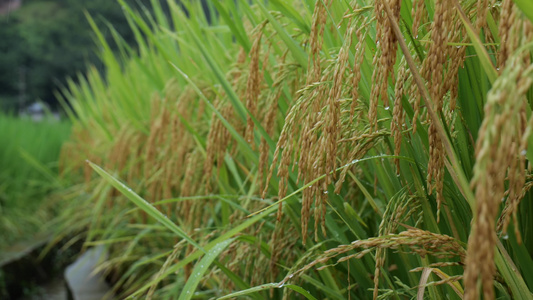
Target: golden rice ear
{"points": [[398, 116], [315, 40], [413, 240], [309, 146], [211, 148], [218, 140], [155, 128], [456, 59], [481, 10], [520, 33], [399, 209], [384, 58], [271, 111], [500, 138], [515, 30], [507, 19], [434, 73], [418, 13], [253, 84], [356, 71]]}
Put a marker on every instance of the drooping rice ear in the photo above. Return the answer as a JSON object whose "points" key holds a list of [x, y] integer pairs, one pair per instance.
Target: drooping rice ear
{"points": [[499, 137], [507, 19], [433, 71], [416, 241], [270, 113], [384, 58], [418, 13], [398, 115], [481, 9], [356, 71], [456, 59], [315, 40], [211, 147], [253, 84]]}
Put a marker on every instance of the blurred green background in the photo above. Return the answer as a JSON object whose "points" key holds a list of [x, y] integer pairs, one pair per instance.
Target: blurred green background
{"points": [[46, 41]]}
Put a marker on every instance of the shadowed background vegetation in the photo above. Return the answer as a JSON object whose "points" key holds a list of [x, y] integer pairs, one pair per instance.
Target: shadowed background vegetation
{"points": [[46, 41]]}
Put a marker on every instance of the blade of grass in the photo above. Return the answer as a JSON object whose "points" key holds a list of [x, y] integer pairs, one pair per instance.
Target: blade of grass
{"points": [[144, 205], [200, 268], [526, 6], [268, 286], [241, 37], [299, 54]]}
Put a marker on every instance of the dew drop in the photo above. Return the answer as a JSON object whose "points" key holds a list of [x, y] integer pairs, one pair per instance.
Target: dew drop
{"points": [[354, 161], [523, 152], [505, 237], [291, 276], [387, 107], [458, 47], [326, 192]]}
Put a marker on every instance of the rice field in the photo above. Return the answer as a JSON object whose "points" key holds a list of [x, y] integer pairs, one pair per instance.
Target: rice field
{"points": [[308, 149], [28, 175]]}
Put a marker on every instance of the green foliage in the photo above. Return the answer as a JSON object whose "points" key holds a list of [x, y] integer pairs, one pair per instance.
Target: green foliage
{"points": [[28, 174]]}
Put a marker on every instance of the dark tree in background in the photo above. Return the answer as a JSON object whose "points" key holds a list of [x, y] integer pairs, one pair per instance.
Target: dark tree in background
{"points": [[46, 41]]}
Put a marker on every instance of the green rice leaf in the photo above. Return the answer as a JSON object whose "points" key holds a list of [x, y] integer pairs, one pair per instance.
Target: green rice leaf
{"points": [[527, 8], [251, 290], [268, 286], [200, 268], [299, 54], [144, 205]]}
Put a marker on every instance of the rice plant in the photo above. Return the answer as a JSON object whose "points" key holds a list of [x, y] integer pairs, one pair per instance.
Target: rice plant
{"points": [[313, 149], [28, 175]]}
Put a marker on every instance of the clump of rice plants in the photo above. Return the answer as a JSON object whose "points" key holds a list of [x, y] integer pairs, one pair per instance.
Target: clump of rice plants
{"points": [[28, 174], [286, 148]]}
